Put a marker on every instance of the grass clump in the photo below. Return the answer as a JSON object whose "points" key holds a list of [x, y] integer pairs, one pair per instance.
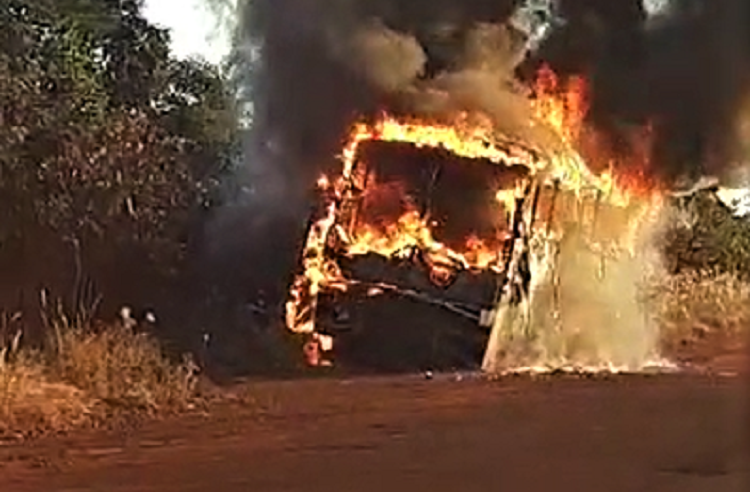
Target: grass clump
{"points": [[121, 368], [702, 306], [30, 399], [86, 372]]}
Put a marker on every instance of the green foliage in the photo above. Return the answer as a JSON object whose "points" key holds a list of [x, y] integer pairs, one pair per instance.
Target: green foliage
{"points": [[706, 236], [104, 138]]}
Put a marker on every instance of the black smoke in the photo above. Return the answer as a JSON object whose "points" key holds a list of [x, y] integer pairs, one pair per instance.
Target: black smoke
{"points": [[686, 72], [312, 67], [323, 63]]}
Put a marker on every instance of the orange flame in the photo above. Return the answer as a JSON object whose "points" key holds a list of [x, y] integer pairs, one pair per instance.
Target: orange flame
{"points": [[562, 108], [565, 108]]}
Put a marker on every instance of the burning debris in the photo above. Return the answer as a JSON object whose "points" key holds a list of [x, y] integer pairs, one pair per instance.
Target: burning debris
{"points": [[465, 188], [548, 218], [551, 210]]}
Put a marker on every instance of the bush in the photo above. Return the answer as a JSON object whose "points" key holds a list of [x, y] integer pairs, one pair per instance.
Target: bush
{"points": [[704, 235], [702, 305], [30, 402], [122, 369], [111, 150], [29, 399], [86, 372]]}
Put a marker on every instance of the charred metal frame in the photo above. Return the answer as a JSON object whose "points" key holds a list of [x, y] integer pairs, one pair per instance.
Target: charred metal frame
{"points": [[328, 234]]}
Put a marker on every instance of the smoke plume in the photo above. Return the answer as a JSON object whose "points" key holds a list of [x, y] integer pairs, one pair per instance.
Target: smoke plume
{"points": [[680, 64], [585, 308], [310, 68]]}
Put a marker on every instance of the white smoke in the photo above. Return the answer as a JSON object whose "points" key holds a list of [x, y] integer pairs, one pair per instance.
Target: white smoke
{"points": [[738, 199], [663, 13], [388, 59], [585, 308], [536, 19], [658, 8]]}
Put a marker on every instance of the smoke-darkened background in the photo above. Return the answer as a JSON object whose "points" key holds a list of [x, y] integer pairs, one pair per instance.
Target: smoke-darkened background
{"points": [[311, 67]]}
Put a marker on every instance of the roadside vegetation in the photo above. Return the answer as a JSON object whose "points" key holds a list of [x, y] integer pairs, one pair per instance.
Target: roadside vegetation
{"points": [[86, 373], [111, 156], [705, 300]]}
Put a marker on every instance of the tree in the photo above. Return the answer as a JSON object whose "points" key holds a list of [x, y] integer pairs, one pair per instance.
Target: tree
{"points": [[707, 237], [106, 142]]}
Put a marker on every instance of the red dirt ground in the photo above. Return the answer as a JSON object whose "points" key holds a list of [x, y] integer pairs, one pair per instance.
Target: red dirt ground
{"points": [[678, 433]]}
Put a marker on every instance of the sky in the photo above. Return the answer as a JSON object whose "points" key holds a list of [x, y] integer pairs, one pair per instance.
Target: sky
{"points": [[194, 28]]}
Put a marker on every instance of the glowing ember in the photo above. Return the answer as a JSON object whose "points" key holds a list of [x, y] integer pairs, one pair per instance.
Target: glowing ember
{"points": [[323, 182]]}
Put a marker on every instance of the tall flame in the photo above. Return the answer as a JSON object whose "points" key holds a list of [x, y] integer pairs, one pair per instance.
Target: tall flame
{"points": [[562, 108]]}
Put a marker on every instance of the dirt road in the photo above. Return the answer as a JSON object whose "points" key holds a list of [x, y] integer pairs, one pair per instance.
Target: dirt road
{"points": [[631, 433]]}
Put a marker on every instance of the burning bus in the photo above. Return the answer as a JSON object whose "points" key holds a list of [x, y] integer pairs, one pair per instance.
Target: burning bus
{"points": [[431, 220]]}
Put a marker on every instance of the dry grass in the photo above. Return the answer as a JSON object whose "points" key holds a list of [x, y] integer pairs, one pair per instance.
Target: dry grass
{"points": [[30, 402], [87, 373], [703, 306], [123, 369]]}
